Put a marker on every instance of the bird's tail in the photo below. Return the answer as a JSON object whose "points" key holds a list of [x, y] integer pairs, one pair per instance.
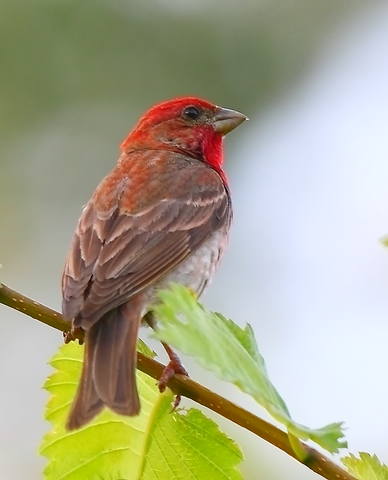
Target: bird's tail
{"points": [[109, 369]]}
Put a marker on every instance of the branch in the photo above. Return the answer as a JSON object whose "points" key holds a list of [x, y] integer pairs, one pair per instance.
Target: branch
{"points": [[313, 459]]}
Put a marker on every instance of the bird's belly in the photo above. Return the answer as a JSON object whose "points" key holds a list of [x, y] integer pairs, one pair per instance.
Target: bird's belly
{"points": [[197, 270]]}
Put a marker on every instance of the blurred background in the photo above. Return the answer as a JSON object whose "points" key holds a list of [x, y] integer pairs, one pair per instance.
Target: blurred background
{"points": [[308, 175]]}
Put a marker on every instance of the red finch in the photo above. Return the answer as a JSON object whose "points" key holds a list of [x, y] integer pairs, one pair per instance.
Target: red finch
{"points": [[162, 215]]}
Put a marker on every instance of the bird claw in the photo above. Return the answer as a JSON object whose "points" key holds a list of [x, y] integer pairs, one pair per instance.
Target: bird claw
{"points": [[174, 367], [75, 333], [175, 405]]}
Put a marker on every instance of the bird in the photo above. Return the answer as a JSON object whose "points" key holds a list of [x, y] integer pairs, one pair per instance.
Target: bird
{"points": [[161, 216]]}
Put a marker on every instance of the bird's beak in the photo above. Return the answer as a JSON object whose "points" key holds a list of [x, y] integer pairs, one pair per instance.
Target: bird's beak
{"points": [[226, 120]]}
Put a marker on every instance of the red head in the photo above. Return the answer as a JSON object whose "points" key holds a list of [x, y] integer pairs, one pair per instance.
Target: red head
{"points": [[188, 125]]}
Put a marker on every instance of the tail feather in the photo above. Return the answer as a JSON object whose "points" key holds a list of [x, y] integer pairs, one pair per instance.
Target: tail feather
{"points": [[109, 370], [87, 404]]}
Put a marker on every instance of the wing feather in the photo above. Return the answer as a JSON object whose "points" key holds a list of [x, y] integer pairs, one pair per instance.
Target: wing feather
{"points": [[118, 252]]}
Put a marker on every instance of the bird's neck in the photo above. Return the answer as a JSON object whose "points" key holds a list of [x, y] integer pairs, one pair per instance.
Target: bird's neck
{"points": [[207, 148], [213, 154]]}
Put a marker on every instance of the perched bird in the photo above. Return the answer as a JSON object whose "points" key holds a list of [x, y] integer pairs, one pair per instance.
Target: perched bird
{"points": [[162, 215]]}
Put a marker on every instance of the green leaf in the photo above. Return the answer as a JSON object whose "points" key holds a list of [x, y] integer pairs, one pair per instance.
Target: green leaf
{"points": [[188, 445], [157, 444], [367, 467], [384, 240], [231, 353]]}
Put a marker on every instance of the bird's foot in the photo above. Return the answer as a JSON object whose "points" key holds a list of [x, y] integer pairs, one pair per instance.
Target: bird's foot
{"points": [[169, 371], [75, 333], [173, 367]]}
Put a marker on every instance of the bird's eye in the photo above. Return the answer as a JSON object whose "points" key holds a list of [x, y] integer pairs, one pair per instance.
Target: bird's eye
{"points": [[192, 112]]}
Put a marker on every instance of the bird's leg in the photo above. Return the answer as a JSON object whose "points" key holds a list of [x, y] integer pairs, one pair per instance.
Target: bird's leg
{"points": [[75, 333], [173, 367]]}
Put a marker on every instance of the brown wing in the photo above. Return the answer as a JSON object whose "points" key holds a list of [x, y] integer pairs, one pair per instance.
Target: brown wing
{"points": [[117, 253]]}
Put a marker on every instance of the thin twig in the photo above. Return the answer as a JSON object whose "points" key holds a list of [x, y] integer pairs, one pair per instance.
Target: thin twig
{"points": [[182, 385]]}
